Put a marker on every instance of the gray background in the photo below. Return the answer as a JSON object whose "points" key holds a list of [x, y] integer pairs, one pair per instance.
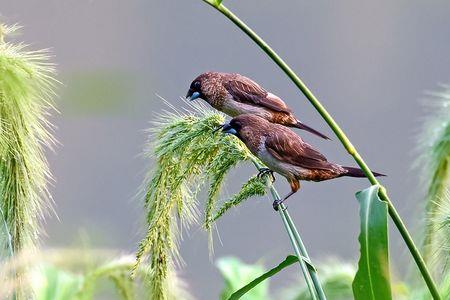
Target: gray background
{"points": [[369, 64]]}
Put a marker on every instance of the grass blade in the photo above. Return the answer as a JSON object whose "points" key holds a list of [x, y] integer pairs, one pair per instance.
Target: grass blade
{"points": [[372, 280], [291, 259]]}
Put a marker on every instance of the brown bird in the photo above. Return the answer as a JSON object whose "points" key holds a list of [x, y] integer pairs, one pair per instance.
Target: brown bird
{"points": [[235, 95], [284, 152]]}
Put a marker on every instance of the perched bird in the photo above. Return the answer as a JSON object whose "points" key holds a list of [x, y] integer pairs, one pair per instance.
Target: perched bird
{"points": [[284, 152], [235, 95]]}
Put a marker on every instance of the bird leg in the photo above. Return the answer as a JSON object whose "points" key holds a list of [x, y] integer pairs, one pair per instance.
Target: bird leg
{"points": [[264, 171], [295, 186]]}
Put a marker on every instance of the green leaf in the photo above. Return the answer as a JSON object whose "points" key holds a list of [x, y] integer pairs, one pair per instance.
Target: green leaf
{"points": [[52, 283], [235, 272], [218, 2], [372, 280], [291, 259]]}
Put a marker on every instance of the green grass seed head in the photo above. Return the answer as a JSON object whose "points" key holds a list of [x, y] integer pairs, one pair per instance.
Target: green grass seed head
{"points": [[26, 92], [188, 154], [434, 163]]}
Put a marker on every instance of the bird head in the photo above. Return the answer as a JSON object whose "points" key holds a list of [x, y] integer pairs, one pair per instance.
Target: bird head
{"points": [[205, 86], [246, 126], [195, 90], [228, 128]]}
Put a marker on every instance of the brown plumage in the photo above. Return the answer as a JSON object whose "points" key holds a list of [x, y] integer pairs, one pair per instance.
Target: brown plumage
{"points": [[235, 94], [284, 152]]}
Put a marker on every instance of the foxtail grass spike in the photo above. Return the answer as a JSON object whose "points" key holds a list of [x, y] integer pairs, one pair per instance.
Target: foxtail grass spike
{"points": [[434, 163], [26, 92], [188, 154]]}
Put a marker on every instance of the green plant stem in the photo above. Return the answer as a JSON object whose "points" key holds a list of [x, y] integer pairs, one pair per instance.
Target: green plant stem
{"points": [[309, 272], [303, 250], [304, 267], [341, 136]]}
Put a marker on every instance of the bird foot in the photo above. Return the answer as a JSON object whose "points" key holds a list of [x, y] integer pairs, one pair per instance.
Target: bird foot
{"points": [[265, 171], [276, 204]]}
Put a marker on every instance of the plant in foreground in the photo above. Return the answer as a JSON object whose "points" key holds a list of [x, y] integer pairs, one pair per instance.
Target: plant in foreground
{"points": [[336, 279]]}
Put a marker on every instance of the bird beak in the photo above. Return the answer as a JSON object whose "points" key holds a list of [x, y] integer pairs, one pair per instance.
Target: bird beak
{"points": [[228, 129], [191, 95]]}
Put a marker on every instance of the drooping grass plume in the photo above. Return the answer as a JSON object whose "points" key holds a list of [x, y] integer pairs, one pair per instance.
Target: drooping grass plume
{"points": [[188, 154], [434, 163], [26, 91], [255, 186]]}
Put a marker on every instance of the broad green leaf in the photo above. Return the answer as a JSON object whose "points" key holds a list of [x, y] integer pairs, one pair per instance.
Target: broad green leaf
{"points": [[372, 280], [254, 283], [51, 283], [235, 273]]}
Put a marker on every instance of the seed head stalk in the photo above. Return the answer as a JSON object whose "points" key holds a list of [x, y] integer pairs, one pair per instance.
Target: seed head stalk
{"points": [[308, 270], [341, 136]]}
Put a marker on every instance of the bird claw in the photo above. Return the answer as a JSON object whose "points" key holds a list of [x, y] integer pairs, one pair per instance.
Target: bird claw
{"points": [[264, 171], [276, 204]]}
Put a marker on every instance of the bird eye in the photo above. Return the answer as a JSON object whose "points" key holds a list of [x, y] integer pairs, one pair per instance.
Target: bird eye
{"points": [[196, 85]]}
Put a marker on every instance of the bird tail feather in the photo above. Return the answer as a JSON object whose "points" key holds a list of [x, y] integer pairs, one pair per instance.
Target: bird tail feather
{"points": [[302, 126], [357, 172]]}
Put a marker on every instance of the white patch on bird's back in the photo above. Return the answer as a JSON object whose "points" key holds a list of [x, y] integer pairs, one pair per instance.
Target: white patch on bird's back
{"points": [[273, 96]]}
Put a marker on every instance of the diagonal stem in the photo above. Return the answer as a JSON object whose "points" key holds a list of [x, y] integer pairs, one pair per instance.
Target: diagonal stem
{"points": [[313, 271], [342, 137], [309, 271], [304, 267]]}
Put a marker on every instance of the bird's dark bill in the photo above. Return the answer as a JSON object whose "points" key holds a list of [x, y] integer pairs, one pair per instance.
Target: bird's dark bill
{"points": [[228, 129], [192, 95]]}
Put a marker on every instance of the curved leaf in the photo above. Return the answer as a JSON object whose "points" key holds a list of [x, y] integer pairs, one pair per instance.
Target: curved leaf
{"points": [[291, 259], [372, 280]]}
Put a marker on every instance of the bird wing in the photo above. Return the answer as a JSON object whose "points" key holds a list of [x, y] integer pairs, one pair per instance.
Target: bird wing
{"points": [[288, 147], [245, 90]]}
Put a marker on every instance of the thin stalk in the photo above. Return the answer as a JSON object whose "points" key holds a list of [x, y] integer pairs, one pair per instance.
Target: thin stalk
{"points": [[304, 267], [341, 136], [303, 250], [309, 271]]}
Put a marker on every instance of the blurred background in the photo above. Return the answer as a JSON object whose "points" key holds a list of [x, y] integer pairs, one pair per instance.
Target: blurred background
{"points": [[369, 63]]}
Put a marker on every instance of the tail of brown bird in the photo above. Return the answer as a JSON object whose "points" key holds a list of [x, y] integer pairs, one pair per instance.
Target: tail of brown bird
{"points": [[302, 126], [357, 172]]}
